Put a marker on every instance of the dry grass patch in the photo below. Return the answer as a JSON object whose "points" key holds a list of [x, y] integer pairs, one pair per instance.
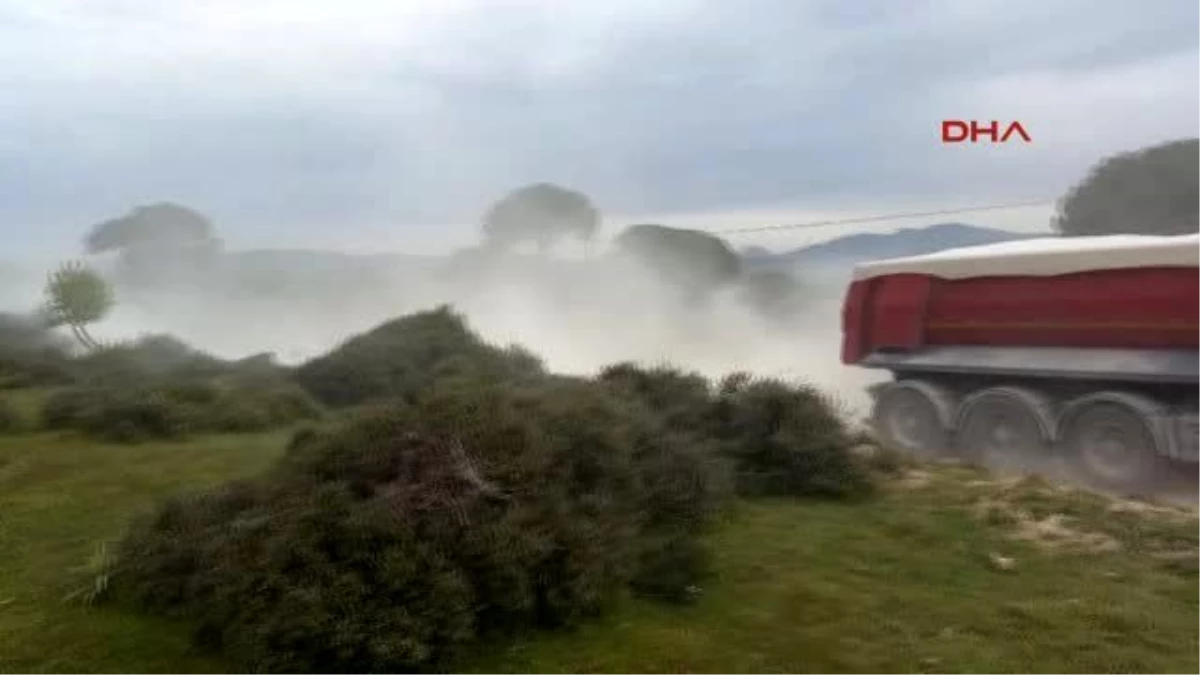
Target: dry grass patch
{"points": [[1056, 532]]}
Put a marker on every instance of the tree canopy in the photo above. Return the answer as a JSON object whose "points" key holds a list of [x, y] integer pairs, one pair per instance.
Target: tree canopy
{"points": [[543, 213], [75, 297], [162, 224], [1153, 190], [694, 260]]}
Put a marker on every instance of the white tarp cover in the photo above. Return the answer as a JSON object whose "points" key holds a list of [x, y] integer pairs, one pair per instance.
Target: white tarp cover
{"points": [[1046, 256]]}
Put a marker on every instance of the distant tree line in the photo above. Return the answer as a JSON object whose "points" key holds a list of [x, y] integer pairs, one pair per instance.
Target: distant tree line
{"points": [[1152, 190]]}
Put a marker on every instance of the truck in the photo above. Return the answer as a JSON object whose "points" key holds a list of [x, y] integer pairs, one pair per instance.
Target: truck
{"points": [[1066, 353]]}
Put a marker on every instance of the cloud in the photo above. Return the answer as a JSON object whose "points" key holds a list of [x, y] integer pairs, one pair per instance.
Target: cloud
{"points": [[305, 120]]}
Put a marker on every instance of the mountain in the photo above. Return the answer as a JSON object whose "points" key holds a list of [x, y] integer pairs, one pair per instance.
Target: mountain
{"points": [[856, 248]]}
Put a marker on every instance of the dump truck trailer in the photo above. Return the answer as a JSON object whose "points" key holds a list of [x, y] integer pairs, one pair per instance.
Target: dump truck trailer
{"points": [[1081, 351]]}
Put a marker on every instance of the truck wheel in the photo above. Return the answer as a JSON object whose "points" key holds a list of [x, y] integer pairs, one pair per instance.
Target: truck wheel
{"points": [[1112, 443], [911, 417], [1005, 428]]}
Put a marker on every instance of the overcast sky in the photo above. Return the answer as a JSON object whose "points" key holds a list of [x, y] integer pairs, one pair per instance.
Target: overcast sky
{"points": [[392, 124]]}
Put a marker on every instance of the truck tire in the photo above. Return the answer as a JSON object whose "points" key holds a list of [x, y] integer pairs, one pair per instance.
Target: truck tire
{"points": [[1112, 441], [1007, 428], [913, 417]]}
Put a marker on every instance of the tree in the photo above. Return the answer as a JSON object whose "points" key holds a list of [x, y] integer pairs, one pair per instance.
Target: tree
{"points": [[156, 240], [75, 297], [1148, 191], [690, 259], [161, 224], [541, 213]]}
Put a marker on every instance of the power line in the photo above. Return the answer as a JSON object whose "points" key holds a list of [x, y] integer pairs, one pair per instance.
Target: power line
{"points": [[877, 218]]}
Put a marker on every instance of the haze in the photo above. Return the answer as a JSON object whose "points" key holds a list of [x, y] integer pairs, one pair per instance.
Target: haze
{"points": [[373, 126]]}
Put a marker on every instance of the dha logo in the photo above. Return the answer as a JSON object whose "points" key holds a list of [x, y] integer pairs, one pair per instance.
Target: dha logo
{"points": [[957, 131]]}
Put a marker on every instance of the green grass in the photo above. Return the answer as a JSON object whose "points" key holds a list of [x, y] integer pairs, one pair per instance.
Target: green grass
{"points": [[62, 497], [29, 401], [910, 583], [929, 576]]}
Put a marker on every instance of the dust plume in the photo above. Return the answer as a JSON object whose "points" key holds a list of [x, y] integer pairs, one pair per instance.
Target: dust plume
{"points": [[578, 315]]}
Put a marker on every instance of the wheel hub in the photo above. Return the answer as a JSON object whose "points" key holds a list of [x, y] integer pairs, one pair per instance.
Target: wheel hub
{"points": [[909, 422], [1108, 450], [1003, 434], [1000, 433], [906, 424]]}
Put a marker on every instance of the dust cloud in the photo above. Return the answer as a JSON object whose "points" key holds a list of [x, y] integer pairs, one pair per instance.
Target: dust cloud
{"points": [[578, 315]]}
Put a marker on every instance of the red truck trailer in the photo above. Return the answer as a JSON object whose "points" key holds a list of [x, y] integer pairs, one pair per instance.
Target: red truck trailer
{"points": [[1079, 350]]}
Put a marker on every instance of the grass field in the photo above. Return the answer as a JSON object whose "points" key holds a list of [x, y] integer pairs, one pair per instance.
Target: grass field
{"points": [[948, 571]]}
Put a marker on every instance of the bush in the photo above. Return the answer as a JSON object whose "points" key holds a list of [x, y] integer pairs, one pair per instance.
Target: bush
{"points": [[153, 356], [785, 440], [682, 400], [195, 392], [401, 357], [781, 439], [67, 408], [175, 408], [116, 415], [10, 418], [28, 333], [30, 353], [233, 416], [669, 568], [390, 542], [469, 494], [287, 402], [256, 408]]}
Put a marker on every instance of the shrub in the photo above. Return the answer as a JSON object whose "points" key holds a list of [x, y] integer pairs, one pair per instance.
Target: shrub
{"points": [[30, 353], [255, 405], [682, 400], [174, 408], [670, 566], [284, 403], [28, 333], [781, 439], [10, 418], [136, 415], [196, 392], [152, 356], [230, 414], [115, 414], [785, 440], [389, 542], [403, 356], [67, 408]]}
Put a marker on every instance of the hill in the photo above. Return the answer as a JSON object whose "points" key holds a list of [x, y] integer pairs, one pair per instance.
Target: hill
{"points": [[856, 248]]}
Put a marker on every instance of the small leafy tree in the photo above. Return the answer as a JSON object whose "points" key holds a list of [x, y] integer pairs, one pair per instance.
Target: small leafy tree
{"points": [[76, 296]]}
